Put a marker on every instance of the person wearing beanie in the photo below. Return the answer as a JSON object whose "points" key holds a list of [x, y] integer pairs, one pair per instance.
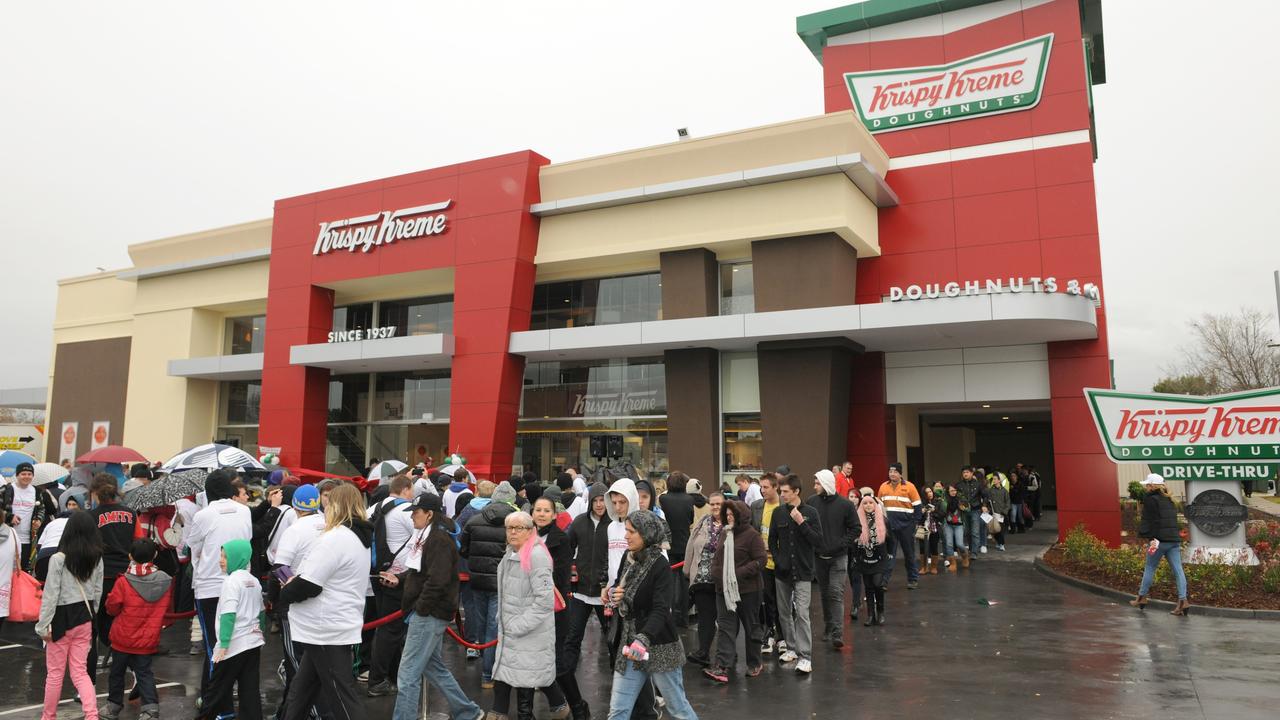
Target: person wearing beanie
{"points": [[831, 565], [26, 508], [295, 543], [483, 543], [276, 477], [903, 513], [220, 522]]}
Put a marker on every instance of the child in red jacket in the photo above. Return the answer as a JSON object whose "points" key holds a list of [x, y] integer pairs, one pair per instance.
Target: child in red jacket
{"points": [[138, 602]]}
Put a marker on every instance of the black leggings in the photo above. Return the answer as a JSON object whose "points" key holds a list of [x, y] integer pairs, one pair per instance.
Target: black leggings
{"points": [[704, 599], [324, 677], [873, 584], [524, 696]]}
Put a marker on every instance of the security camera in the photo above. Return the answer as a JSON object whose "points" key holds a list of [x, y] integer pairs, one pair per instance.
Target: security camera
{"points": [[682, 133]]}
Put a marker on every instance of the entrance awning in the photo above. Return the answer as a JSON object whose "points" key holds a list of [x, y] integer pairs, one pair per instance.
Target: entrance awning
{"points": [[967, 321], [414, 352]]}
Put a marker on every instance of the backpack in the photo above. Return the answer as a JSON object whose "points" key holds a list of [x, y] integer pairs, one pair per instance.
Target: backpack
{"points": [[382, 556]]}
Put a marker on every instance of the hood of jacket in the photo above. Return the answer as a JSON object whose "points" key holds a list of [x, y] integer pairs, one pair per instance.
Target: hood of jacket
{"points": [[627, 488], [363, 530], [458, 486], [238, 553], [479, 503], [495, 513], [152, 586], [741, 515], [77, 493]]}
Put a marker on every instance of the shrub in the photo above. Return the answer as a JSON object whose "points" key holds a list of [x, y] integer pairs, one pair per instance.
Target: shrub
{"points": [[1271, 578], [1135, 490]]}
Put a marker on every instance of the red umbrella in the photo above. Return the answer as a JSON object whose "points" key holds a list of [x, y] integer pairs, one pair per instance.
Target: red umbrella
{"points": [[111, 454]]}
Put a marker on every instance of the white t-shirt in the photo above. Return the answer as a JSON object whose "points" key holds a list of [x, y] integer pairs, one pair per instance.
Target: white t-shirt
{"points": [[24, 504], [577, 507], [580, 486], [52, 534], [242, 595], [298, 540], [399, 526], [752, 494], [617, 548], [413, 551], [210, 529], [186, 511], [288, 516], [339, 563]]}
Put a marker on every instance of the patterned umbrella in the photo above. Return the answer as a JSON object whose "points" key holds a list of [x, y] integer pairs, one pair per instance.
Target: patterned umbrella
{"points": [[167, 490], [10, 459], [47, 473], [212, 456], [385, 469]]}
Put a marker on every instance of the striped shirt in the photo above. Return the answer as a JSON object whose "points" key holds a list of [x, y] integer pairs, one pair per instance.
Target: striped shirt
{"points": [[902, 498]]}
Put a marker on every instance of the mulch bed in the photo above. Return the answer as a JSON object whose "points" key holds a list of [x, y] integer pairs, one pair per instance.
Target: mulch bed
{"points": [[1252, 597]]}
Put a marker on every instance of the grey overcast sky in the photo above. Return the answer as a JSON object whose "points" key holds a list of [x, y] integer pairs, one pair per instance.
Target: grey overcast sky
{"points": [[130, 121]]}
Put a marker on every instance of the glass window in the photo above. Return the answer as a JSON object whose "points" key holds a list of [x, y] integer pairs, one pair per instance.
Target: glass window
{"points": [[245, 438], [353, 317], [743, 444], [597, 301], [623, 387], [737, 289], [245, 334], [417, 316], [739, 382], [546, 446], [240, 400], [344, 451], [412, 396], [348, 398]]}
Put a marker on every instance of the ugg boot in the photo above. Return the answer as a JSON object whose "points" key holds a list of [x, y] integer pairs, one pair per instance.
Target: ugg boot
{"points": [[109, 711], [933, 566], [966, 560], [1181, 608], [955, 563]]}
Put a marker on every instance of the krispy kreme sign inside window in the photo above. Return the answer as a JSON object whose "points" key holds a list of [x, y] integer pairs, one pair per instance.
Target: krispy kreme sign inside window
{"points": [[1004, 80], [366, 232]]}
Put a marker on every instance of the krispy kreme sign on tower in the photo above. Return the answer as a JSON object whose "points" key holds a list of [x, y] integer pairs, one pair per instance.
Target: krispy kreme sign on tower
{"points": [[366, 232], [1156, 427], [1000, 81]]}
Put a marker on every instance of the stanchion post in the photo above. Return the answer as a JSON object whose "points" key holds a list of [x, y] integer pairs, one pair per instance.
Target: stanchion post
{"points": [[422, 704]]}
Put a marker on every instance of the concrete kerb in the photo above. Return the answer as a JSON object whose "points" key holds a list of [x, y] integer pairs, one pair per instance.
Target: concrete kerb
{"points": [[1205, 610]]}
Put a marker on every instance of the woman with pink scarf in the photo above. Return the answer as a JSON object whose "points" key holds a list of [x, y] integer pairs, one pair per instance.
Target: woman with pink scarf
{"points": [[872, 556]]}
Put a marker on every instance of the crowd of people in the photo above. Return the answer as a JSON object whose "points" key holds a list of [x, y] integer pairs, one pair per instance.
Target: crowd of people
{"points": [[361, 584]]}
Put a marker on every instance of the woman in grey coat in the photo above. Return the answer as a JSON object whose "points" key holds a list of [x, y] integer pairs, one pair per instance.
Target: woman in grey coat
{"points": [[525, 658], [998, 498]]}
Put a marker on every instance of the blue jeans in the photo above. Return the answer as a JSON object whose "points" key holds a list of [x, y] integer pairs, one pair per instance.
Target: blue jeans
{"points": [[627, 686], [1015, 516], [423, 657], [952, 539], [977, 529], [486, 628], [1172, 551]]}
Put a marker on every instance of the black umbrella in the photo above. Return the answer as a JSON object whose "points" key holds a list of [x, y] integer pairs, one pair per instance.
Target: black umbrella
{"points": [[167, 490]]}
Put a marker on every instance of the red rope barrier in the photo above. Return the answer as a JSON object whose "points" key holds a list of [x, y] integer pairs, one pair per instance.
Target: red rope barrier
{"points": [[459, 639], [383, 620]]}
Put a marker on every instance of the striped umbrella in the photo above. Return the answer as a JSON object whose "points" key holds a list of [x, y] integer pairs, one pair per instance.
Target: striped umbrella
{"points": [[212, 456]]}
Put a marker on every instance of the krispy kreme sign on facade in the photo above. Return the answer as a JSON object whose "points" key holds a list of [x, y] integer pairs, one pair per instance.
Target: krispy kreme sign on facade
{"points": [[1156, 427], [369, 231], [1000, 81]]}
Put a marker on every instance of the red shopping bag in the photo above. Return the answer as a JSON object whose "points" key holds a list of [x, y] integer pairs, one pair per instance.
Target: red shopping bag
{"points": [[24, 598]]}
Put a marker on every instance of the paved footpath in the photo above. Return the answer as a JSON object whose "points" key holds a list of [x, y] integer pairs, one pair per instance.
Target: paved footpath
{"points": [[1043, 650]]}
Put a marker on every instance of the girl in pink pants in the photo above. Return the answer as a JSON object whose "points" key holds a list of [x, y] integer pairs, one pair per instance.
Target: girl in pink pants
{"points": [[67, 608]]}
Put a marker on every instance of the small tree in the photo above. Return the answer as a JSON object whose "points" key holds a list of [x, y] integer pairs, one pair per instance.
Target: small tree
{"points": [[1229, 353]]}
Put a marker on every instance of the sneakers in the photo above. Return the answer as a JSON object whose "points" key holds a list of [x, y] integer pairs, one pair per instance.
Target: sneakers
{"points": [[767, 647], [561, 713], [804, 666], [781, 646], [109, 711], [363, 677], [472, 653], [717, 674], [755, 671], [383, 688], [913, 584], [1000, 548], [983, 550], [788, 657], [196, 649]]}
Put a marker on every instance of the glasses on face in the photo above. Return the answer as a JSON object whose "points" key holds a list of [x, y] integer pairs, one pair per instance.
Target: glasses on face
{"points": [[518, 528]]}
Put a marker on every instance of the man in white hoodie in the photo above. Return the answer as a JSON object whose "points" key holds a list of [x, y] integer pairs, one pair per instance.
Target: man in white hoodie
{"points": [[222, 520], [622, 500]]}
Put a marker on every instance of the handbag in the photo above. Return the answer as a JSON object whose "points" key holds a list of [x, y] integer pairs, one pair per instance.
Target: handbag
{"points": [[921, 532], [558, 605], [24, 598], [994, 526]]}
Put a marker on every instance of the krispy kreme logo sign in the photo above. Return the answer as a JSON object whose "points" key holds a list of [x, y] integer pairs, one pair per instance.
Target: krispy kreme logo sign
{"points": [[1001, 81], [369, 231], [1239, 427]]}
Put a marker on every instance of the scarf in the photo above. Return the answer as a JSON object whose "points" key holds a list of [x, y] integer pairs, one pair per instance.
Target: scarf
{"points": [[872, 527], [643, 560], [140, 569], [730, 573]]}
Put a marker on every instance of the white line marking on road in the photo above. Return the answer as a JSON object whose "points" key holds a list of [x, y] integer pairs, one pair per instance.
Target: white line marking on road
{"points": [[61, 702], [9, 647]]}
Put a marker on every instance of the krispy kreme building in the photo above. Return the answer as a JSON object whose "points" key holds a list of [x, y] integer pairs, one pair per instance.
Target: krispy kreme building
{"points": [[913, 275]]}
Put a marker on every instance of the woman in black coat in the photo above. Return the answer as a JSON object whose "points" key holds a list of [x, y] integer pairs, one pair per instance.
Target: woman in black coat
{"points": [[1159, 524], [873, 557]]}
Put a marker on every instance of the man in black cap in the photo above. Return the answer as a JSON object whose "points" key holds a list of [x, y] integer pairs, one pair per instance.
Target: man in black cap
{"points": [[26, 508], [902, 513]]}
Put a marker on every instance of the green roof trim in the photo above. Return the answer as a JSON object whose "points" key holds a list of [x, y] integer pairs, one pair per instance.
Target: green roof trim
{"points": [[815, 28]]}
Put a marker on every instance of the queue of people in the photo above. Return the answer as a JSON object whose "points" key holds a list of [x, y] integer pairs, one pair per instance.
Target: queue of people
{"points": [[361, 588]]}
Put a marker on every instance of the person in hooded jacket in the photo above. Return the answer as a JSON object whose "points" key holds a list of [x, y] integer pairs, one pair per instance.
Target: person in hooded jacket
{"points": [[649, 649], [241, 624], [872, 553], [461, 484], [736, 570], [483, 543], [326, 608], [623, 500], [832, 562], [138, 605], [467, 599], [556, 496], [588, 537]]}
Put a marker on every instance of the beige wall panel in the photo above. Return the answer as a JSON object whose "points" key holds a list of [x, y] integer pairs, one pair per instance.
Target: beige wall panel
{"points": [[157, 400], [793, 141], [93, 299], [217, 242], [227, 285], [828, 203]]}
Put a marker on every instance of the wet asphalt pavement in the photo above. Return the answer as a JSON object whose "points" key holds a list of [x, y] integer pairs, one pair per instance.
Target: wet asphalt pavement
{"points": [[1043, 650]]}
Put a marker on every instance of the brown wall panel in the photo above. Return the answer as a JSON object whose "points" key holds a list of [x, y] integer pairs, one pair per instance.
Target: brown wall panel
{"points": [[803, 272], [693, 413], [90, 383], [690, 284], [804, 404]]}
